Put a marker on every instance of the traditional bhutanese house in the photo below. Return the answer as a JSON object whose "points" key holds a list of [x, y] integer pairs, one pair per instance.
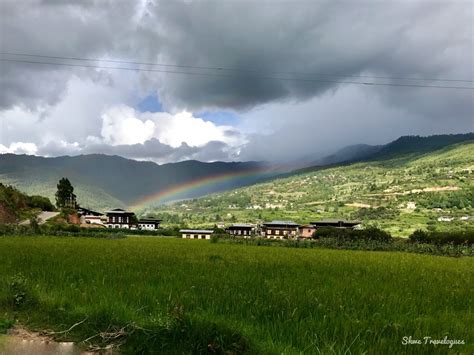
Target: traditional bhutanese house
{"points": [[118, 218], [149, 223], [81, 211], [87, 216], [335, 224], [241, 230], [307, 230], [196, 233], [280, 229], [89, 219]]}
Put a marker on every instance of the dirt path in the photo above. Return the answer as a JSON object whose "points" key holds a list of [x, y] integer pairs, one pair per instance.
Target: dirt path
{"points": [[42, 217], [20, 341]]}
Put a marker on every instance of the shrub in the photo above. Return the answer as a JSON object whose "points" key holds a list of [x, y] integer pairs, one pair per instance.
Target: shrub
{"points": [[369, 234], [456, 237], [19, 292]]}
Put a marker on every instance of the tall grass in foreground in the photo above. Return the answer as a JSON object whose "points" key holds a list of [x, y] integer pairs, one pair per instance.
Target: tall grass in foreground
{"points": [[171, 295]]}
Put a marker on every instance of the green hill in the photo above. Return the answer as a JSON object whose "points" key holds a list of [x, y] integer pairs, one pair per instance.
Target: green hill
{"points": [[103, 182], [400, 194], [15, 205]]}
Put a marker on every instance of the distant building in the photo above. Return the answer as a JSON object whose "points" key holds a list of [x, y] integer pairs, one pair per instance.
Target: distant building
{"points": [[149, 224], [118, 218], [89, 219], [335, 224], [87, 216], [307, 231], [280, 229], [220, 225], [244, 230], [81, 211], [445, 219], [196, 233]]}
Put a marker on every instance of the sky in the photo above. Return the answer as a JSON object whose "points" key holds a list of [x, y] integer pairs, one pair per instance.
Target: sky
{"points": [[237, 80]]}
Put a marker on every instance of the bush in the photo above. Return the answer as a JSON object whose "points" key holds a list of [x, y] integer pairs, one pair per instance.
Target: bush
{"points": [[439, 238], [43, 203], [369, 234]]}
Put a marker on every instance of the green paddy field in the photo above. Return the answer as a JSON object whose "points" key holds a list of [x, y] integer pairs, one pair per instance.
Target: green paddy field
{"points": [[158, 295]]}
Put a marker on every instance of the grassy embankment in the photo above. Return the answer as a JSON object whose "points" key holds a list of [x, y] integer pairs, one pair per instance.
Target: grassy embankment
{"points": [[195, 296]]}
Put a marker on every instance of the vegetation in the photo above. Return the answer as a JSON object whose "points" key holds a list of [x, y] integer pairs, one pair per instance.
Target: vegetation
{"points": [[103, 182], [463, 237], [15, 205], [399, 195], [191, 296], [65, 197]]}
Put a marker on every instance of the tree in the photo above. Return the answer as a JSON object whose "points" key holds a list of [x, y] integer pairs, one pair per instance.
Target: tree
{"points": [[65, 197]]}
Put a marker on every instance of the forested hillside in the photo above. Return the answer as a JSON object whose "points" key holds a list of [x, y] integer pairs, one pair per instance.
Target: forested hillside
{"points": [[103, 182], [15, 205], [399, 194]]}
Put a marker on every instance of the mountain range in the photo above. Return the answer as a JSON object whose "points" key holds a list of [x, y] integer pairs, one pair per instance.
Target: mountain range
{"points": [[103, 181]]}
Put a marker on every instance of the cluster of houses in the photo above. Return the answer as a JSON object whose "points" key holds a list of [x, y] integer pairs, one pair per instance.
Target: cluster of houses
{"points": [[271, 230], [119, 218]]}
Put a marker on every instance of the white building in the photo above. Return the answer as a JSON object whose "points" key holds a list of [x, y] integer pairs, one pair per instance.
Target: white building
{"points": [[90, 219], [196, 233], [150, 224], [118, 218]]}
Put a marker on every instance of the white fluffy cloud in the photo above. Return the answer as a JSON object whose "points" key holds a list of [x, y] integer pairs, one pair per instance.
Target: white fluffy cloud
{"points": [[120, 126], [19, 148], [124, 125]]}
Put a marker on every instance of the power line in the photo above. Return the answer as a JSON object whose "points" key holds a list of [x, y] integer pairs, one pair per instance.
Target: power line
{"points": [[239, 76], [230, 69]]}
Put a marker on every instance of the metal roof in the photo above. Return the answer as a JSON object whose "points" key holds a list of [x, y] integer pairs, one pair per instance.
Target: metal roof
{"points": [[119, 211], [149, 220], [280, 223], [336, 221]]}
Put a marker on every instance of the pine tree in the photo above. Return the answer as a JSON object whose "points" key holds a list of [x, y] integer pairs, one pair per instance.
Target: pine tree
{"points": [[65, 197]]}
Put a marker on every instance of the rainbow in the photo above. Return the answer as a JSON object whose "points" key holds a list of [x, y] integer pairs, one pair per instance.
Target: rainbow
{"points": [[174, 191]]}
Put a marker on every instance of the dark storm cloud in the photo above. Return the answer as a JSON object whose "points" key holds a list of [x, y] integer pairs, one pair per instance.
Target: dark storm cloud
{"points": [[264, 39], [258, 42]]}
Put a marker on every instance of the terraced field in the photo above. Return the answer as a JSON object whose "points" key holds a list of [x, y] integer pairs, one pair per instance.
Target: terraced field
{"points": [[399, 195]]}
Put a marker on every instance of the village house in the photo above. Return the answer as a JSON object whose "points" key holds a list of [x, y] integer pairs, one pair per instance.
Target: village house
{"points": [[307, 231], [196, 233], [149, 224], [244, 230], [87, 216], [118, 218], [280, 230], [336, 224]]}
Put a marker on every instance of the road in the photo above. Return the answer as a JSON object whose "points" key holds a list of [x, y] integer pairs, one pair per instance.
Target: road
{"points": [[43, 216]]}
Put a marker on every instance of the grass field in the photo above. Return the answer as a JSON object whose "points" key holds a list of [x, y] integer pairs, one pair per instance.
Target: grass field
{"points": [[183, 296]]}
